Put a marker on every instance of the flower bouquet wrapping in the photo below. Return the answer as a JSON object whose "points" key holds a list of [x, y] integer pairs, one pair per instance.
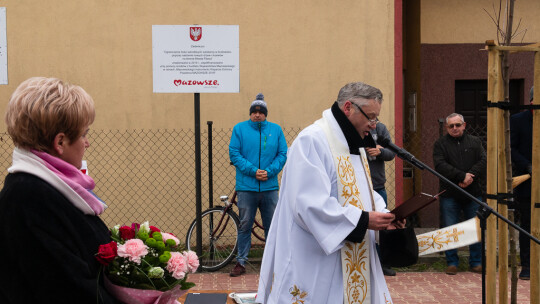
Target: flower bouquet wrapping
{"points": [[145, 265]]}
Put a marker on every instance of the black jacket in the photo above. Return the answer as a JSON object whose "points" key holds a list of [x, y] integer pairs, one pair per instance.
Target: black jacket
{"points": [[521, 126], [376, 166], [454, 157], [48, 246]]}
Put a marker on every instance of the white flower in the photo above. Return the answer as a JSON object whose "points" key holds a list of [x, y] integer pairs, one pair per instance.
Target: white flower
{"points": [[145, 227], [115, 231], [156, 272]]}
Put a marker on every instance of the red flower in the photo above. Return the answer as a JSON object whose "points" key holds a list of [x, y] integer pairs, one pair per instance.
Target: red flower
{"points": [[107, 253], [127, 233]]}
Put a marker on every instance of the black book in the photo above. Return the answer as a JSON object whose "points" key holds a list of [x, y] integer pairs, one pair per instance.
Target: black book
{"points": [[206, 298]]}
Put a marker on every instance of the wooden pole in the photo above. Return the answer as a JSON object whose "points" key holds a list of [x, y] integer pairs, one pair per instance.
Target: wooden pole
{"points": [[502, 208], [513, 259], [505, 166], [494, 95], [514, 48], [535, 190], [503, 133]]}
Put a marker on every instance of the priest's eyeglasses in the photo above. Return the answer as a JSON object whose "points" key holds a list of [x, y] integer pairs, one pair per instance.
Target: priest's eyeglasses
{"points": [[373, 121]]}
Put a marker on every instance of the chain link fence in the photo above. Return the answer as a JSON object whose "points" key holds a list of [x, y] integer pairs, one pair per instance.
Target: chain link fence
{"points": [[149, 175]]}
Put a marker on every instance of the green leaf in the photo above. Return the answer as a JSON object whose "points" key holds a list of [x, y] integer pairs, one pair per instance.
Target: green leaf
{"points": [[118, 280], [143, 286], [187, 285]]}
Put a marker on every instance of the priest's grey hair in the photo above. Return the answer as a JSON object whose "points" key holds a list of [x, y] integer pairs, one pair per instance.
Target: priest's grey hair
{"points": [[359, 92]]}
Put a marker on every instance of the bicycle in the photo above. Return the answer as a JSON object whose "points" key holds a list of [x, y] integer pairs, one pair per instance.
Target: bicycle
{"points": [[219, 234]]}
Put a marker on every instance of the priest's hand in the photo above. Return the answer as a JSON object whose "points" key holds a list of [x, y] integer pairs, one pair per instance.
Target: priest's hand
{"points": [[397, 224], [380, 220]]}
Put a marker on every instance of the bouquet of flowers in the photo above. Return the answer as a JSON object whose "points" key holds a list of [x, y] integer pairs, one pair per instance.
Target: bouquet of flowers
{"points": [[145, 265]]}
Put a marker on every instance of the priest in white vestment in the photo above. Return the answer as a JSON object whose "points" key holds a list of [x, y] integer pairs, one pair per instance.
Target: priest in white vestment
{"points": [[321, 244]]}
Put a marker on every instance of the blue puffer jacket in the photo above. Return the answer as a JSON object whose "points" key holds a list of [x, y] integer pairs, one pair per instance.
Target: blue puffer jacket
{"points": [[257, 145]]}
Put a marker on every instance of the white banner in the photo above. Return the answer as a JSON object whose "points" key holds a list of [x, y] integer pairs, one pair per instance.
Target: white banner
{"points": [[451, 237], [196, 58], [3, 47]]}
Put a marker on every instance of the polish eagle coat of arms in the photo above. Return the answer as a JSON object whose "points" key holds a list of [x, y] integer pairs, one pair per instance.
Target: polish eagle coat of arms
{"points": [[195, 33]]}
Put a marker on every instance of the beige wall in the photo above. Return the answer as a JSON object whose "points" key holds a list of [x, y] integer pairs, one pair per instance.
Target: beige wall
{"points": [[298, 53], [465, 21]]}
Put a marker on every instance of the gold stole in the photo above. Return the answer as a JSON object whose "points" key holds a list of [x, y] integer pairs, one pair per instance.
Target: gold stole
{"points": [[355, 260]]}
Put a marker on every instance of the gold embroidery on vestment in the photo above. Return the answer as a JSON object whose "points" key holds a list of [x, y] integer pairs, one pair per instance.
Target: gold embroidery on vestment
{"points": [[348, 179], [356, 266], [439, 239], [298, 296], [357, 257]]}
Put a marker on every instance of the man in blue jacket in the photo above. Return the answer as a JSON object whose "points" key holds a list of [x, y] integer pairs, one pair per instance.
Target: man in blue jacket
{"points": [[258, 150], [521, 129]]}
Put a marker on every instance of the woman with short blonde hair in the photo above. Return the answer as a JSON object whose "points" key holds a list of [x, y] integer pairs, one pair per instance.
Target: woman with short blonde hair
{"points": [[42, 107], [47, 202]]}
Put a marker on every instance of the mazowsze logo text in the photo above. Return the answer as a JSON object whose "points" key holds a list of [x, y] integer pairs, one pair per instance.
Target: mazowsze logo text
{"points": [[179, 82]]}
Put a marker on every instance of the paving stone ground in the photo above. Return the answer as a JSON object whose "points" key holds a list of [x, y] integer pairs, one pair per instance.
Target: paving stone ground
{"points": [[405, 287]]}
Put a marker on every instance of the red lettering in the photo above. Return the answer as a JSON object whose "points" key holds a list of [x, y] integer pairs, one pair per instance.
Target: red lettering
{"points": [[178, 82]]}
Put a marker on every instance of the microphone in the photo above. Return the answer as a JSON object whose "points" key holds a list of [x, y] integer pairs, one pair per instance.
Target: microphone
{"points": [[400, 152]]}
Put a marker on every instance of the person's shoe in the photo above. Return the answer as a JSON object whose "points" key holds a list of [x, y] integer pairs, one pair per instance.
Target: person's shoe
{"points": [[387, 271], [476, 269], [451, 270], [525, 274], [238, 270]]}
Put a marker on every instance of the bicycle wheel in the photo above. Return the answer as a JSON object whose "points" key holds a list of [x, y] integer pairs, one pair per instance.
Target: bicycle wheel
{"points": [[219, 235]]}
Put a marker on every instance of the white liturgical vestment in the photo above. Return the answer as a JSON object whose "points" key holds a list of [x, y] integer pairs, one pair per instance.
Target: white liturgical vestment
{"points": [[302, 257]]}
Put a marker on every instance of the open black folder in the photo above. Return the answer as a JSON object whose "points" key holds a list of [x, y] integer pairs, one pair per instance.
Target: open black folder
{"points": [[414, 204]]}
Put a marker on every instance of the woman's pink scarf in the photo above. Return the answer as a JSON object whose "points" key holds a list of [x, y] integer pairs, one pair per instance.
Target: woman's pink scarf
{"points": [[81, 183]]}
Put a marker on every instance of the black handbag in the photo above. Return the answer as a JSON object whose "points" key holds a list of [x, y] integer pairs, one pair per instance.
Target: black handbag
{"points": [[398, 247]]}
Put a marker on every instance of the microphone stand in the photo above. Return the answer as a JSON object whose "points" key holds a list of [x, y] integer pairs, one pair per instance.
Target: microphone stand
{"points": [[483, 211]]}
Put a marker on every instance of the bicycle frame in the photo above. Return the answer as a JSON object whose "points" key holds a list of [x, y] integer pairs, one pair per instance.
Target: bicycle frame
{"points": [[220, 236], [228, 206]]}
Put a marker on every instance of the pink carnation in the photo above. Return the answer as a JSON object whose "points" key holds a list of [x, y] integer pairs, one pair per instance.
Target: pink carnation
{"points": [[167, 236], [133, 249], [177, 265], [192, 261]]}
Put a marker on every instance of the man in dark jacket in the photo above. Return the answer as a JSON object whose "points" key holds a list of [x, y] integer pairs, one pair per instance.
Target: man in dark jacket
{"points": [[521, 125], [461, 159], [376, 158]]}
